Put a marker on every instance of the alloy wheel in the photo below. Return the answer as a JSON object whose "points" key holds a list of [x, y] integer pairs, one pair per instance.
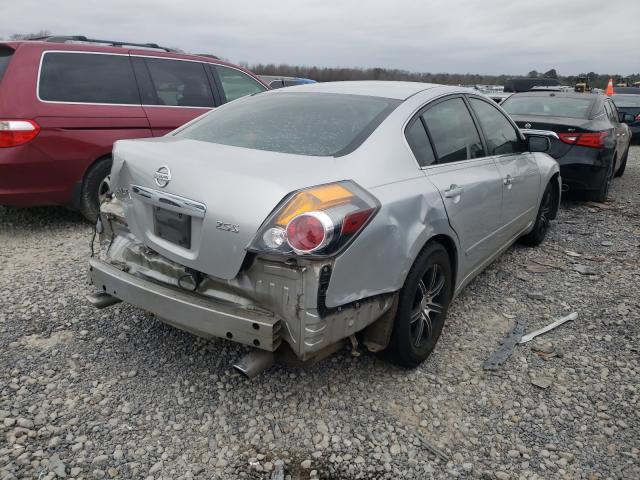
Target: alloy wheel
{"points": [[427, 306]]}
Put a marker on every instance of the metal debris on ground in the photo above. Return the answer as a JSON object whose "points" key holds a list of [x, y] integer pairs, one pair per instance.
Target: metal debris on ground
{"points": [[508, 344], [530, 336], [278, 472], [432, 448]]}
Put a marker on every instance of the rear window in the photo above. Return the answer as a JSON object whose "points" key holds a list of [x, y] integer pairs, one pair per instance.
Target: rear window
{"points": [[87, 78], [5, 58], [548, 106], [317, 124], [621, 101]]}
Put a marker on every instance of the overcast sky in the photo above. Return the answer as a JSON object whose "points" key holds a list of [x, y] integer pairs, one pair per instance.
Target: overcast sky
{"points": [[454, 36]]}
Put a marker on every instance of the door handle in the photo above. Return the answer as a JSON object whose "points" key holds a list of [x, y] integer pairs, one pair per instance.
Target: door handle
{"points": [[453, 191], [508, 180]]}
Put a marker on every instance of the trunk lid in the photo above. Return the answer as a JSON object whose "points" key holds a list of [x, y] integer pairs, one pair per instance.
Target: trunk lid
{"points": [[555, 124], [226, 193]]}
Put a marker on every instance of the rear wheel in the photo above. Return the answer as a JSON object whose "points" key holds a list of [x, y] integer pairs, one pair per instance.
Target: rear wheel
{"points": [[536, 236], [422, 307], [96, 186], [602, 193], [623, 164]]}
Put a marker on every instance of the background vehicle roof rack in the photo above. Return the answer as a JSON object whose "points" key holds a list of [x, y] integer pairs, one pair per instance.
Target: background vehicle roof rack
{"points": [[113, 43]]}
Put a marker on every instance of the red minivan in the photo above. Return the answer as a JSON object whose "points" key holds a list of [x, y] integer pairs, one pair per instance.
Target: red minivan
{"points": [[65, 100]]}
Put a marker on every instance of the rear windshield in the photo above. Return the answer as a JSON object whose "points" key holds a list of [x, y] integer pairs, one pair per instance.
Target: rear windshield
{"points": [[5, 57], [303, 123], [548, 106], [626, 101]]}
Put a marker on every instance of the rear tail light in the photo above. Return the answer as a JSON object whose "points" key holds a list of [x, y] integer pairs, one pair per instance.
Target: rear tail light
{"points": [[638, 118], [17, 132], [317, 221], [594, 140]]}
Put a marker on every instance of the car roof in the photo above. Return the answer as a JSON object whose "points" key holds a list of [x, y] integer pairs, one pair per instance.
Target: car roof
{"points": [[589, 96], [101, 48], [372, 88]]}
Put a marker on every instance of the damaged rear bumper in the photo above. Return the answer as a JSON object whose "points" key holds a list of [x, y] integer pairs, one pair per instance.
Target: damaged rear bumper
{"points": [[187, 311]]}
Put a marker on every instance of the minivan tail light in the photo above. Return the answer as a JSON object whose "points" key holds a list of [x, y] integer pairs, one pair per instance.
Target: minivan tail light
{"points": [[638, 118], [317, 221], [593, 140], [17, 132]]}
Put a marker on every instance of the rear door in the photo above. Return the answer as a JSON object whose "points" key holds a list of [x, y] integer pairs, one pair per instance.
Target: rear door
{"points": [[518, 168], [621, 131], [174, 91], [468, 181]]}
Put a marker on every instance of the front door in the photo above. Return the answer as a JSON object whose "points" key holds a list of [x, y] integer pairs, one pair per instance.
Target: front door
{"points": [[518, 168]]}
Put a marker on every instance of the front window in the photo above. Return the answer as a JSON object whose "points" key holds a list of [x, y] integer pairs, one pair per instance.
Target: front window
{"points": [[317, 124], [237, 84], [546, 105]]}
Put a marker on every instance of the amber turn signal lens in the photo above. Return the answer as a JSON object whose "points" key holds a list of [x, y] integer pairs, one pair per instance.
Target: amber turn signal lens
{"points": [[317, 198]]}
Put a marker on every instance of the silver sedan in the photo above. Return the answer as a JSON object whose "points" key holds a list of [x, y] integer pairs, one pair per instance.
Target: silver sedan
{"points": [[296, 220]]}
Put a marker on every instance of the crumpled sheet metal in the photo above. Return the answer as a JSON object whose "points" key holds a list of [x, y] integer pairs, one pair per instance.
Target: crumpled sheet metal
{"points": [[508, 344]]}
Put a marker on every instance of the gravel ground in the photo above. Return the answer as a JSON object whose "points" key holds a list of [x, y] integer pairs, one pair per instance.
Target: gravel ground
{"points": [[117, 394]]}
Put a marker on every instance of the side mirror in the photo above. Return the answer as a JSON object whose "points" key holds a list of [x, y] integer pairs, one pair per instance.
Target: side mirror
{"points": [[627, 118], [538, 143]]}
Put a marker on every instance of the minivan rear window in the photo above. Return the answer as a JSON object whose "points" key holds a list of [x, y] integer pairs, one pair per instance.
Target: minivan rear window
{"points": [[87, 78], [548, 106], [5, 58], [303, 123]]}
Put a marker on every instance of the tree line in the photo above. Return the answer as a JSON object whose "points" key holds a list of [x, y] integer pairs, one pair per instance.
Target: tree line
{"points": [[332, 74]]}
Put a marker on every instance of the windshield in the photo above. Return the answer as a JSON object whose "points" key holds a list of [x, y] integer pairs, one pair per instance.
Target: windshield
{"points": [[626, 101], [303, 123], [545, 105]]}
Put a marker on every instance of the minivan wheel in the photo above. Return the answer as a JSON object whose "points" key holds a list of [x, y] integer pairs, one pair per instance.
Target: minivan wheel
{"points": [[422, 307], [536, 236], [623, 164], [96, 186]]}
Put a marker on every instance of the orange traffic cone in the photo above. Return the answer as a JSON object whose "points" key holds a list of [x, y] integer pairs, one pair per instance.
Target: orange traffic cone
{"points": [[609, 90]]}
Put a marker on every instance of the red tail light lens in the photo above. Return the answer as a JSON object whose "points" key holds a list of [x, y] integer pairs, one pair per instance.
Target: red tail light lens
{"points": [[593, 140], [638, 118], [17, 132], [317, 221], [309, 232]]}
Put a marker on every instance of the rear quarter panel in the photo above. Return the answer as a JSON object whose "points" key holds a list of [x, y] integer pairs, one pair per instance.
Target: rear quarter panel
{"points": [[411, 211]]}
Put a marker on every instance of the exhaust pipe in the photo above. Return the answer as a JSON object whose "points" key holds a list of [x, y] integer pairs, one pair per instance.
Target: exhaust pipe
{"points": [[565, 187], [102, 299], [255, 362]]}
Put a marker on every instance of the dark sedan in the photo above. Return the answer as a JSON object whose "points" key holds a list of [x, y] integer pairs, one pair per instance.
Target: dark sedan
{"points": [[590, 142], [630, 104]]}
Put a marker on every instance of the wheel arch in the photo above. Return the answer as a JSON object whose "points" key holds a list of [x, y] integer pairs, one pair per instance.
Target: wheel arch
{"points": [[76, 200], [557, 192]]}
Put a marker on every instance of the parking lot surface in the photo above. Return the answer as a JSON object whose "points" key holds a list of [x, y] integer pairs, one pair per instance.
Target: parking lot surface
{"points": [[117, 394]]}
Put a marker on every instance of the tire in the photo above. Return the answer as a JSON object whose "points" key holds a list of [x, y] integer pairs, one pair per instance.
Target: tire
{"points": [[540, 228], [95, 186], [602, 193], [422, 307], [623, 164]]}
